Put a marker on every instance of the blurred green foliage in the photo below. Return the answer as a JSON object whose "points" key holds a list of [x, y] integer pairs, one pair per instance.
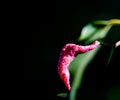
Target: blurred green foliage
{"points": [[114, 93], [96, 30]]}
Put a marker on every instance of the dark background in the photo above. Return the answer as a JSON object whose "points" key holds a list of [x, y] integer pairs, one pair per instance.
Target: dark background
{"points": [[51, 24]]}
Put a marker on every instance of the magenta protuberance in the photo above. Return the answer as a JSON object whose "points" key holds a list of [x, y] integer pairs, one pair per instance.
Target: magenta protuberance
{"points": [[67, 56]]}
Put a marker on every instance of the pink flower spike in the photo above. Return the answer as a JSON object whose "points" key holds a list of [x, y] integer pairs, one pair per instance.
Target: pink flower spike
{"points": [[82, 49], [117, 44], [67, 56]]}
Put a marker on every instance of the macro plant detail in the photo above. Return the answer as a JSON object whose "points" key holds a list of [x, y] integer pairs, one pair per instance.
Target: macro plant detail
{"points": [[93, 36], [66, 57]]}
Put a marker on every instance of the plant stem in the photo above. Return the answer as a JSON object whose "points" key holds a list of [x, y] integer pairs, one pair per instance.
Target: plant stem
{"points": [[106, 44], [110, 22]]}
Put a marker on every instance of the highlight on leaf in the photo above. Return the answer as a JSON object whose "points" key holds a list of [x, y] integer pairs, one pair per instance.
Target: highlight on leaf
{"points": [[97, 30]]}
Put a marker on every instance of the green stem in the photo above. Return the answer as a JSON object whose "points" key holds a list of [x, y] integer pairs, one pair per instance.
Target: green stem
{"points": [[110, 22]]}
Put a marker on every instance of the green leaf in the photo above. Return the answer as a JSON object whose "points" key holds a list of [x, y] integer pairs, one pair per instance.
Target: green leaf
{"points": [[87, 31], [97, 30], [92, 32], [100, 34], [62, 94], [77, 68]]}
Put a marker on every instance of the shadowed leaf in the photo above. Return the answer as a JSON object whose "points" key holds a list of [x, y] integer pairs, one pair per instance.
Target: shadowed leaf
{"points": [[77, 68], [62, 94], [110, 56], [88, 34]]}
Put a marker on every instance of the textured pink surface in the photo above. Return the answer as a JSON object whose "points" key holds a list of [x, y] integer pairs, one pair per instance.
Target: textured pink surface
{"points": [[66, 57]]}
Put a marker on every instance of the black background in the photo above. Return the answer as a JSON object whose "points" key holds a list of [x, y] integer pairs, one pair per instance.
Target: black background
{"points": [[51, 24]]}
